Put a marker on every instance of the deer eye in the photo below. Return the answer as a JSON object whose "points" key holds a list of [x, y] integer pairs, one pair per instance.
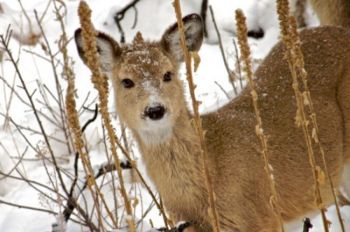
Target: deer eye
{"points": [[127, 83], [167, 76]]}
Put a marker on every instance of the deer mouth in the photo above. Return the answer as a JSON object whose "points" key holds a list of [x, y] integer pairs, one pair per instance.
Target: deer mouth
{"points": [[154, 128]]}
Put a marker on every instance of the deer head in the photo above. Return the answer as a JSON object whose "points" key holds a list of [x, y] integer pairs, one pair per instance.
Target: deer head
{"points": [[148, 93]]}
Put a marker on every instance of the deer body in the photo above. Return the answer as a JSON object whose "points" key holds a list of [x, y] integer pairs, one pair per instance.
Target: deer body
{"points": [[232, 127], [150, 100]]}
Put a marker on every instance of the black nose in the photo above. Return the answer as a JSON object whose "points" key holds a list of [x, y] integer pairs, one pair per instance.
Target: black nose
{"points": [[155, 113]]}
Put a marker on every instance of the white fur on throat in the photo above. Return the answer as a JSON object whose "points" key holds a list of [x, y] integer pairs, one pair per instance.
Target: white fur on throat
{"points": [[156, 132]]}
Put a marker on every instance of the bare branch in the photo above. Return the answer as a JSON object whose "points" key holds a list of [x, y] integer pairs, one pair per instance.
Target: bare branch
{"points": [[28, 207], [204, 10], [307, 225], [57, 82], [119, 16], [35, 112], [231, 75]]}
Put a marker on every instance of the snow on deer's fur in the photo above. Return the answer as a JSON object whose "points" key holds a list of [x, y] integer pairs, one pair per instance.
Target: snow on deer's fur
{"points": [[150, 99]]}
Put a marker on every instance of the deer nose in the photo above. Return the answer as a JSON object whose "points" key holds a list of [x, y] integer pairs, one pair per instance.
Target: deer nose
{"points": [[155, 112]]}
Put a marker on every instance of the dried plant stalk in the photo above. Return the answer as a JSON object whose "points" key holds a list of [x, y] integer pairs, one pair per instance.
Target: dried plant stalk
{"points": [[291, 40], [197, 120], [301, 72], [245, 54], [283, 15], [74, 124], [101, 84]]}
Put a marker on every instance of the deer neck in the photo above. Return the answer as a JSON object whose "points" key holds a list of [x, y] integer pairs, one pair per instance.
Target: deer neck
{"points": [[175, 162], [176, 145]]}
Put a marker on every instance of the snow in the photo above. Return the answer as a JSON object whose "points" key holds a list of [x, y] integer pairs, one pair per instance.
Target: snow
{"points": [[154, 16]]}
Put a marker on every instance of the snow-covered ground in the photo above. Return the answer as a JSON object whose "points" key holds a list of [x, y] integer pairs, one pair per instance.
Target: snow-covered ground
{"points": [[26, 158]]}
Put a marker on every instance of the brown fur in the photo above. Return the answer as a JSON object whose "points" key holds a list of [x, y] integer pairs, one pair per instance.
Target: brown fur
{"points": [[232, 130], [337, 13], [171, 151], [332, 12]]}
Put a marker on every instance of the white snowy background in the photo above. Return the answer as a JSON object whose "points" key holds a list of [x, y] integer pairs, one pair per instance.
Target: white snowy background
{"points": [[154, 16]]}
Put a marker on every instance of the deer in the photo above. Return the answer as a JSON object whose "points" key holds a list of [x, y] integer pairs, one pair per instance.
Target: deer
{"points": [[149, 99]]}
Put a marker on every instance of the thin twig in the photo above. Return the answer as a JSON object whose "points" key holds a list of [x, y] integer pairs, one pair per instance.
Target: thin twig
{"points": [[21, 206], [9, 100], [45, 11], [46, 101], [35, 113], [307, 225], [12, 91], [119, 16], [71, 204], [91, 120], [26, 15], [57, 82], [231, 76], [204, 10], [36, 54], [24, 102], [16, 164], [28, 181], [223, 90], [114, 182]]}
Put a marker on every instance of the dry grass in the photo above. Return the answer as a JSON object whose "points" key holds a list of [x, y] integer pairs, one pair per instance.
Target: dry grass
{"points": [[100, 82], [74, 124], [246, 58], [197, 120], [305, 110]]}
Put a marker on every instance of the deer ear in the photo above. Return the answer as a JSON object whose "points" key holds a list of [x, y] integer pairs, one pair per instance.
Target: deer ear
{"points": [[193, 27], [107, 48]]}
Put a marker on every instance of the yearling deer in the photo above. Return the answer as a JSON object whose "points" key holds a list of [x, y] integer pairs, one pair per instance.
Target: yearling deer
{"points": [[150, 100]]}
